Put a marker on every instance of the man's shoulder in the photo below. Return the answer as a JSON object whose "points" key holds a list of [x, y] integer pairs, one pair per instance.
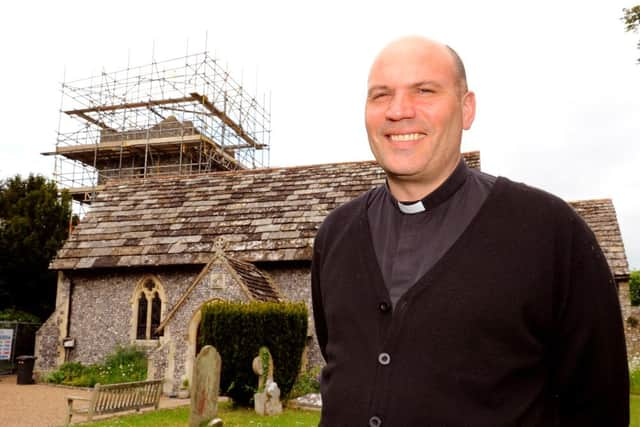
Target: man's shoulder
{"points": [[528, 195], [351, 209], [517, 198], [345, 214]]}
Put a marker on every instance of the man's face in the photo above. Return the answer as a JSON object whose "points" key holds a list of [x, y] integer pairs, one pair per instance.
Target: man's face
{"points": [[415, 112]]}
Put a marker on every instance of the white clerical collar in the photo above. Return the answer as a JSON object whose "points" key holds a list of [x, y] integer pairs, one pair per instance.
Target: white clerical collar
{"points": [[412, 208]]}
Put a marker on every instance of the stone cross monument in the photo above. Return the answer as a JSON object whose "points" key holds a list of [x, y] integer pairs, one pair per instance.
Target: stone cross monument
{"points": [[267, 399]]}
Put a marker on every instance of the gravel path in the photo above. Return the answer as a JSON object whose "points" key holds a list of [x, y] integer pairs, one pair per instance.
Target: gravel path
{"points": [[39, 405]]}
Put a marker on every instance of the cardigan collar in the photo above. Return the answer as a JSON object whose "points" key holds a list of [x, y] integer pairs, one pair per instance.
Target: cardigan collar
{"points": [[436, 197]]}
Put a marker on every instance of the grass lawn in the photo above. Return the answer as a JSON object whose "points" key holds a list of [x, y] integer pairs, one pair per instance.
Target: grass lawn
{"points": [[232, 417], [635, 410], [247, 417]]}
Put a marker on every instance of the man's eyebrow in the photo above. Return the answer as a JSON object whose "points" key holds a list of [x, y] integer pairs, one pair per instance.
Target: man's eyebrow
{"points": [[375, 88], [426, 83]]}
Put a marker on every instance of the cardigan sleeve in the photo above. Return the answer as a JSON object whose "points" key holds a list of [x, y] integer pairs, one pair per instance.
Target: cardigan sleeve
{"points": [[316, 296], [590, 377]]}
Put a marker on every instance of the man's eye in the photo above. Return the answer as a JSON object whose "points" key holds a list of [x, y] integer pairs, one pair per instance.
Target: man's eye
{"points": [[379, 95], [425, 90]]}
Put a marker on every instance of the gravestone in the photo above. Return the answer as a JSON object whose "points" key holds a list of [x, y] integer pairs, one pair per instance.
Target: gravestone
{"points": [[267, 399], [205, 386]]}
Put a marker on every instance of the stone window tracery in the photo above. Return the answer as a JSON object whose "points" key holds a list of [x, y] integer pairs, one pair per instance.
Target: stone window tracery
{"points": [[149, 310]]}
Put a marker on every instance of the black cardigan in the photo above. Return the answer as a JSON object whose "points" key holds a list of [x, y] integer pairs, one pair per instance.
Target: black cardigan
{"points": [[518, 324]]}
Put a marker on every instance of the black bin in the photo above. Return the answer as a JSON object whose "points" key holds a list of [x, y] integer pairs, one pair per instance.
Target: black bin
{"points": [[25, 369]]}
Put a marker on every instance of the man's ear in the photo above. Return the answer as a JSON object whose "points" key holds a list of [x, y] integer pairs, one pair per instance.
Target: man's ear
{"points": [[468, 110]]}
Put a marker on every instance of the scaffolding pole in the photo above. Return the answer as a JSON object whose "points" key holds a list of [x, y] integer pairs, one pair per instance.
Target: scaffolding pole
{"points": [[180, 116]]}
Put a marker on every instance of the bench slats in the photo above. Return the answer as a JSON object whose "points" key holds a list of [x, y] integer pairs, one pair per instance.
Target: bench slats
{"points": [[110, 398]]}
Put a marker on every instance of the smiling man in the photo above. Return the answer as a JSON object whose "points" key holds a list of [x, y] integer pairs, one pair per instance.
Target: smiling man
{"points": [[449, 297]]}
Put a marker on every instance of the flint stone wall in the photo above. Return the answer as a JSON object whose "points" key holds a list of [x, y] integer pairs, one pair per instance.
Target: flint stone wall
{"points": [[102, 309], [102, 317], [631, 319], [157, 364], [49, 337]]}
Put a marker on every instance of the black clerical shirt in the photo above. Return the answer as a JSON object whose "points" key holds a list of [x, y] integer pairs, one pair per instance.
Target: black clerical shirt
{"points": [[409, 238]]}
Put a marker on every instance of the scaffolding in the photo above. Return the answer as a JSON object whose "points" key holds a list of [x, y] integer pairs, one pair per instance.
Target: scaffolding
{"points": [[182, 116]]}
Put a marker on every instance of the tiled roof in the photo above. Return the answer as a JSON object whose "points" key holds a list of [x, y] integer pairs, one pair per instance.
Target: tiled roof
{"points": [[601, 217], [256, 281], [263, 214]]}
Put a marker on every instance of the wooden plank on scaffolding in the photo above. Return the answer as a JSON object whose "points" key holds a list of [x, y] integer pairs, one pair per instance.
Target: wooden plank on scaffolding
{"points": [[115, 145], [221, 152], [225, 119], [148, 104]]}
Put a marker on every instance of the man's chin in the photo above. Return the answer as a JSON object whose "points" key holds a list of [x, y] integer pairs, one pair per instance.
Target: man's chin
{"points": [[401, 174]]}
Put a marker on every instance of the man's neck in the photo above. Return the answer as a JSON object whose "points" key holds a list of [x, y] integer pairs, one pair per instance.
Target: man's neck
{"points": [[411, 189]]}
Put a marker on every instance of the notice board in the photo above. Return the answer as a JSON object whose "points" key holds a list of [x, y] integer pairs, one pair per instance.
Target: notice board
{"points": [[6, 339]]}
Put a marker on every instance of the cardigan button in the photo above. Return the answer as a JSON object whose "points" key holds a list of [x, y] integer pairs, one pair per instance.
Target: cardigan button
{"points": [[384, 306], [384, 358], [375, 421]]}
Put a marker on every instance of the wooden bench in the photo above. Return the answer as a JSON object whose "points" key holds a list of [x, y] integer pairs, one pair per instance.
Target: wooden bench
{"points": [[110, 398]]}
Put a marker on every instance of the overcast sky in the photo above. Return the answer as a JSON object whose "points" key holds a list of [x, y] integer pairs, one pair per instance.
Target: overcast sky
{"points": [[557, 85]]}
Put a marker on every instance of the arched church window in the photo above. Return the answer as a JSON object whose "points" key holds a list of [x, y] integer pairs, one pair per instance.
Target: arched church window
{"points": [[149, 310]]}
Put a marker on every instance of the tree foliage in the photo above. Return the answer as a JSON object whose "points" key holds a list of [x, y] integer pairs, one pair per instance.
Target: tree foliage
{"points": [[631, 18], [634, 287], [13, 315], [34, 220]]}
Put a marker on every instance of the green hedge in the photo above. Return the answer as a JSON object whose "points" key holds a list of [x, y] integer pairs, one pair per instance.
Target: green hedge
{"points": [[634, 287], [238, 331]]}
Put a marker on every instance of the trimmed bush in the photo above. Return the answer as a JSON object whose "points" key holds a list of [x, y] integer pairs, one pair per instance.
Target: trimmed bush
{"points": [[69, 372], [238, 331], [634, 287], [307, 382], [125, 364]]}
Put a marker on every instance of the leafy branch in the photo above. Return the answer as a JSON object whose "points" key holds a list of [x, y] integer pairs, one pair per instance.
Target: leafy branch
{"points": [[631, 19]]}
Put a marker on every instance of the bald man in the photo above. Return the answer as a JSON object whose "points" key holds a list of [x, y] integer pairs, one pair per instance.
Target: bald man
{"points": [[449, 297]]}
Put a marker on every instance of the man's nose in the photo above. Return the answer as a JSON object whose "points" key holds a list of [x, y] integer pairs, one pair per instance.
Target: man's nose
{"points": [[401, 107]]}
